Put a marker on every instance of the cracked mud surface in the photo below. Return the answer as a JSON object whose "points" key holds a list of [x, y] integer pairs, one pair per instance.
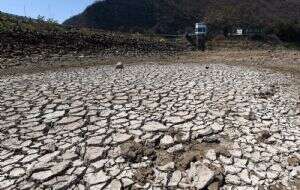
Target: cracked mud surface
{"points": [[183, 126]]}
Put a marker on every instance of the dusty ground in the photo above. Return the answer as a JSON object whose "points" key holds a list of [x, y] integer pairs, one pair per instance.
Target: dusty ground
{"points": [[225, 120], [279, 60]]}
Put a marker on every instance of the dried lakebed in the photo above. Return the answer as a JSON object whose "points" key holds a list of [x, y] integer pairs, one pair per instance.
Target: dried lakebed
{"points": [[178, 126]]}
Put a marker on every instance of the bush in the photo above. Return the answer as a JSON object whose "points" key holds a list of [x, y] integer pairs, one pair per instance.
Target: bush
{"points": [[40, 18], [270, 38], [51, 21], [287, 31]]}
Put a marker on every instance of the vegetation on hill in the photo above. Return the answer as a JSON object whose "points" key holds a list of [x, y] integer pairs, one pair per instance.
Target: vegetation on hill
{"points": [[20, 36], [178, 16], [9, 22]]}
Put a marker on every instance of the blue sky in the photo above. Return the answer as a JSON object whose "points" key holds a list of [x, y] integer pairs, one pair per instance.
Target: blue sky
{"points": [[59, 10]]}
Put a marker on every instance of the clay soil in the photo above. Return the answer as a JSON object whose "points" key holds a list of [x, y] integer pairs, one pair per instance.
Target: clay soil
{"points": [[278, 60]]}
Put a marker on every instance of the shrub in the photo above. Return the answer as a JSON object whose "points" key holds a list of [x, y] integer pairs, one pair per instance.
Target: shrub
{"points": [[287, 31]]}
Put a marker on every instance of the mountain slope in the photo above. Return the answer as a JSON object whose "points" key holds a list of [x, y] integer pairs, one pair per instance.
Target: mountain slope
{"points": [[177, 16], [21, 37]]}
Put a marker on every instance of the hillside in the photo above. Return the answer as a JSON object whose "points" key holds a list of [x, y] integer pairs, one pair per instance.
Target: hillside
{"points": [[178, 16], [21, 37]]}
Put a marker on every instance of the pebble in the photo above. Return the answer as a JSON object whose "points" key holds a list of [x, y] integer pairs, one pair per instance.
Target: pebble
{"points": [[167, 140], [175, 179], [154, 126], [211, 155], [200, 175]]}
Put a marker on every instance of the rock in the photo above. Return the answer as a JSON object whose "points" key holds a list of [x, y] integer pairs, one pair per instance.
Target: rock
{"points": [[272, 175], [175, 119], [96, 140], [68, 120], [114, 171], [154, 127], [167, 140], [254, 180], [120, 137], [295, 172], [232, 169], [232, 179], [168, 167], [55, 114], [17, 172], [95, 178], [127, 182], [244, 175], [256, 156], [42, 175], [49, 148], [94, 153], [175, 148], [297, 122], [60, 167], [175, 179], [200, 175], [119, 65], [225, 160], [40, 171], [217, 127], [5, 184], [241, 163], [211, 155], [237, 153], [48, 157], [204, 132], [261, 174], [100, 163], [115, 185], [161, 177], [276, 167]]}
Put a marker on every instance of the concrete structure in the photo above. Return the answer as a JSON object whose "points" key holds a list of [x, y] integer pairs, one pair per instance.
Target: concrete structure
{"points": [[200, 29], [200, 32], [245, 31]]}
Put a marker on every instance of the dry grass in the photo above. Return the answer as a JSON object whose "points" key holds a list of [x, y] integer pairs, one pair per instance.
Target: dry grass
{"points": [[279, 60]]}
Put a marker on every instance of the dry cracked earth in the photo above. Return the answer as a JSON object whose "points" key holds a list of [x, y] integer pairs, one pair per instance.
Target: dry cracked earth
{"points": [[176, 126]]}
